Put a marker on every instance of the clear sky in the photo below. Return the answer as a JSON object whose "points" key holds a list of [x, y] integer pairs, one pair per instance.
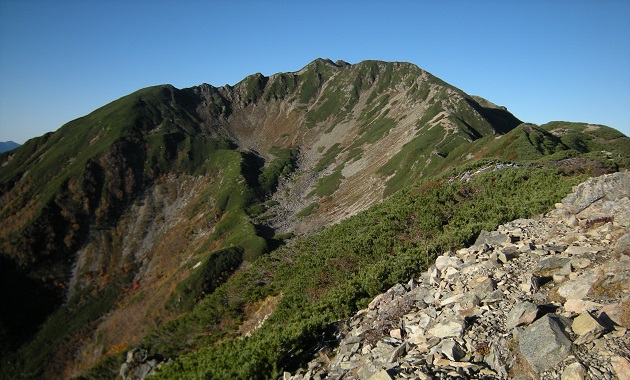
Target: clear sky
{"points": [[543, 60]]}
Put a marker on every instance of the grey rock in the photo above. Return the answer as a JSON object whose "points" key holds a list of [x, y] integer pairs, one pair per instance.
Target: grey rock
{"points": [[483, 286], [137, 365], [451, 349], [580, 262], [551, 263], [398, 352], [444, 262], [367, 371], [623, 244], [495, 296], [545, 343], [507, 255], [580, 250], [522, 313], [492, 238], [554, 247], [493, 359]]}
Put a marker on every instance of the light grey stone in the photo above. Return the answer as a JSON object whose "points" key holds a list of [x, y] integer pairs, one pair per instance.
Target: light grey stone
{"points": [[492, 238], [451, 349], [522, 313], [607, 187], [447, 329], [581, 250], [572, 221], [444, 262], [495, 296], [398, 352]]}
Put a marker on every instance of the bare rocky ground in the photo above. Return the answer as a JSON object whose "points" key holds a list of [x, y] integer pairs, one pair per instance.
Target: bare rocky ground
{"points": [[538, 298]]}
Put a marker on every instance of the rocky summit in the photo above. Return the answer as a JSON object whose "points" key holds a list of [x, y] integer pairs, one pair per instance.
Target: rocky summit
{"points": [[546, 298]]}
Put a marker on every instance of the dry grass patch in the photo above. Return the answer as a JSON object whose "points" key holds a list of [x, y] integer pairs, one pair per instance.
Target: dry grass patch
{"points": [[257, 313]]}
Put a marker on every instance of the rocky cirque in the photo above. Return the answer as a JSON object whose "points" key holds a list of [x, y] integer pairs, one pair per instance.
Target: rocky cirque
{"points": [[538, 298]]}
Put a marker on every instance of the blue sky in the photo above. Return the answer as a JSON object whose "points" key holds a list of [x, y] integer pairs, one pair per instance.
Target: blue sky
{"points": [[543, 60]]}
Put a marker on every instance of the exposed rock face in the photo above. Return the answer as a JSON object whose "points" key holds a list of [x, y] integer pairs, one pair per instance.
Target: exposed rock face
{"points": [[537, 298]]}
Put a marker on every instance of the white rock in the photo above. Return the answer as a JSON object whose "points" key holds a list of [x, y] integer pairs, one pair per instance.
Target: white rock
{"points": [[575, 371], [447, 329]]}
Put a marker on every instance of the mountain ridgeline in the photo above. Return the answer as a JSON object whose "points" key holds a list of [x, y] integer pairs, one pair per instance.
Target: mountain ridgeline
{"points": [[163, 218]]}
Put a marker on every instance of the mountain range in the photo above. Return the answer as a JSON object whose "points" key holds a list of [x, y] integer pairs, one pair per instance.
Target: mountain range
{"points": [[235, 224], [7, 145]]}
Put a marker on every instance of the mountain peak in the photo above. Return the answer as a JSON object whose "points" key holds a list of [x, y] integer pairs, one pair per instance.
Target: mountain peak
{"points": [[7, 146]]}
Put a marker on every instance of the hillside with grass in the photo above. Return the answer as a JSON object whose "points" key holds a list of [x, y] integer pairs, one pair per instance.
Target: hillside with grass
{"points": [[182, 219]]}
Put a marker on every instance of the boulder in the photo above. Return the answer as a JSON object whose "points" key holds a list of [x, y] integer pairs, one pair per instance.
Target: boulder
{"points": [[137, 365], [606, 187], [616, 314], [545, 342], [551, 264], [483, 286], [580, 306]]}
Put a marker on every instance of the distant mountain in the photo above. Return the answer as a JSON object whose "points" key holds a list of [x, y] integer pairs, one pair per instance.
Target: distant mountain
{"points": [[163, 217], [7, 145]]}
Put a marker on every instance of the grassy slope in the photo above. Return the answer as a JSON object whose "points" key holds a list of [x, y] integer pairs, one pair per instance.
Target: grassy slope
{"points": [[333, 274], [159, 136]]}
